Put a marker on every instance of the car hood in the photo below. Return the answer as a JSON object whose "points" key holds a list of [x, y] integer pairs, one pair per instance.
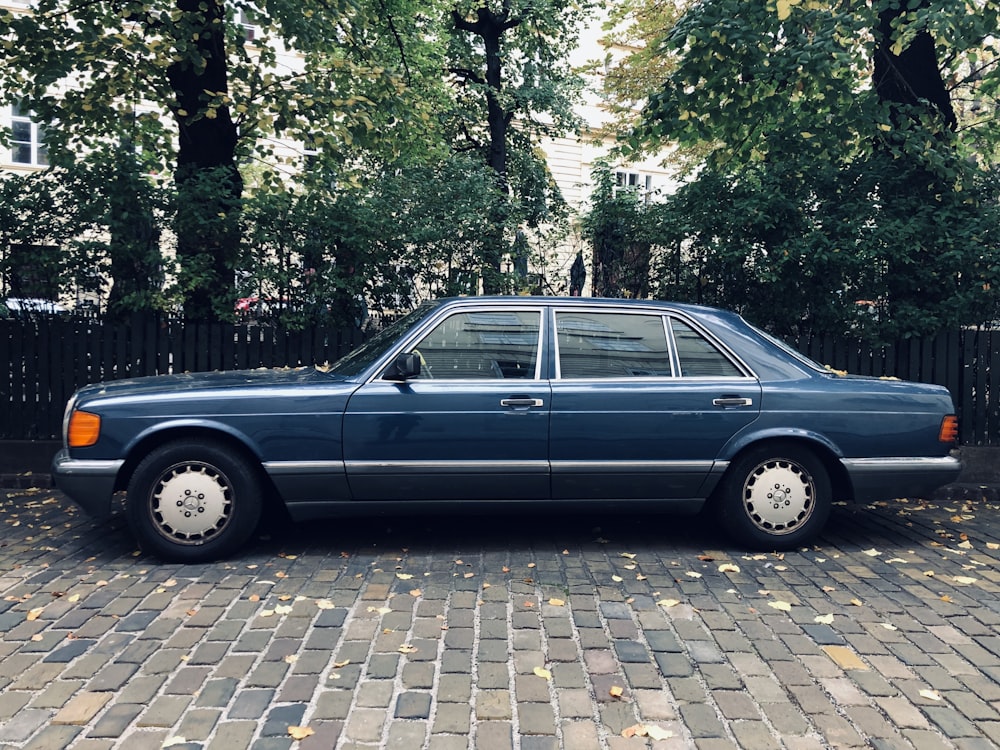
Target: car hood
{"points": [[190, 385]]}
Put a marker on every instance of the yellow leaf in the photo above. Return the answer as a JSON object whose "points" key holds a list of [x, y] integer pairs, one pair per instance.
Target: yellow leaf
{"points": [[857, 602], [35, 613], [291, 659], [74, 598], [932, 695], [824, 619], [992, 545], [617, 579], [283, 609], [872, 552], [324, 604], [267, 613], [668, 603], [782, 606], [542, 672], [965, 580], [406, 648], [341, 664], [616, 691], [629, 555], [729, 568], [300, 733], [692, 574], [556, 602], [415, 593], [404, 576], [380, 610]]}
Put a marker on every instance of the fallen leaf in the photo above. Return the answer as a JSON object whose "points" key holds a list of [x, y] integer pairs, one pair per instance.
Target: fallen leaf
{"points": [[668, 603], [404, 576], [932, 695], [556, 602], [380, 610], [267, 613], [857, 603], [629, 555], [542, 672], [35, 613], [291, 659], [888, 626], [617, 579], [729, 568], [692, 574], [531, 565], [415, 593], [283, 609], [872, 552], [37, 637], [779, 605], [174, 741], [469, 575], [647, 730], [74, 598], [946, 598], [406, 648], [300, 733], [616, 691], [965, 580], [824, 619], [992, 545], [324, 604], [341, 664]]}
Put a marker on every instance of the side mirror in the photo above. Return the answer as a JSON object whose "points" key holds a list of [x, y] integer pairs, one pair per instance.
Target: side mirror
{"points": [[405, 366]]}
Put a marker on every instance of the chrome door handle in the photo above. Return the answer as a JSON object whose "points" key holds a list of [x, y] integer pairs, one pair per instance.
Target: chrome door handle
{"points": [[727, 401], [522, 402]]}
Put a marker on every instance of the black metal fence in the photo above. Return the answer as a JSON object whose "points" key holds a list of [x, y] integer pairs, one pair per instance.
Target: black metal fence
{"points": [[43, 361]]}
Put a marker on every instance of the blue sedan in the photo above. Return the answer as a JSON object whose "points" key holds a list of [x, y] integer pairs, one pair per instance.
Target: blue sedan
{"points": [[518, 400]]}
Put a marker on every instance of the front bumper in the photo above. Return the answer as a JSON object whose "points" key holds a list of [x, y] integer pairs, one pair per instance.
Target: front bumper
{"points": [[90, 484], [888, 478]]}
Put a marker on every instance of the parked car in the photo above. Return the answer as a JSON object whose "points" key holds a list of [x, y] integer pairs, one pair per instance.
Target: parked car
{"points": [[518, 401], [30, 307]]}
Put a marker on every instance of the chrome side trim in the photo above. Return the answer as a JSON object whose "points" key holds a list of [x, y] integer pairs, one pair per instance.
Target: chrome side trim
{"points": [[448, 467], [303, 467], [630, 467], [901, 463]]}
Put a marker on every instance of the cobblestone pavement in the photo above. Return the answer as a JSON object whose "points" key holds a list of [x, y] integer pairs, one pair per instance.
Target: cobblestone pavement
{"points": [[494, 632]]}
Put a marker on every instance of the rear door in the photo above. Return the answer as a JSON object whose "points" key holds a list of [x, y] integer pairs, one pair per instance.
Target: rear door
{"points": [[642, 405]]}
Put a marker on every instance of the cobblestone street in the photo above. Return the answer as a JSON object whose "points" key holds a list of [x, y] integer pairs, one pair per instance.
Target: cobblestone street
{"points": [[550, 630]]}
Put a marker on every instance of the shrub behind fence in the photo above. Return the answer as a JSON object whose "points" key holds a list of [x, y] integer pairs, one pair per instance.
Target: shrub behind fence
{"points": [[43, 361]]}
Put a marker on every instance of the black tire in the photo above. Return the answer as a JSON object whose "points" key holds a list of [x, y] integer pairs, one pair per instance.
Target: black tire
{"points": [[193, 501], [776, 496]]}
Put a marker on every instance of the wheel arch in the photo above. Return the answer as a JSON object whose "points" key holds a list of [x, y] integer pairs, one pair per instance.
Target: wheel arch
{"points": [[827, 454], [150, 441]]}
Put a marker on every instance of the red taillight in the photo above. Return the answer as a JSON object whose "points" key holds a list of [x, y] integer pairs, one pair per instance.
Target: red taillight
{"points": [[83, 430], [949, 429]]}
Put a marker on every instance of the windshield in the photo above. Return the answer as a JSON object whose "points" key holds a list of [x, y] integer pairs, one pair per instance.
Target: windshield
{"points": [[365, 355]]}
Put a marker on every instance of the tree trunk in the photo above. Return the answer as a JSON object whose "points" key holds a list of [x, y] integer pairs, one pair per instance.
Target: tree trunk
{"points": [[911, 84], [490, 27], [209, 184]]}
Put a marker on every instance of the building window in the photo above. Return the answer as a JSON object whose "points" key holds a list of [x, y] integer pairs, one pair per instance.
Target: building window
{"points": [[27, 139], [251, 30], [634, 181]]}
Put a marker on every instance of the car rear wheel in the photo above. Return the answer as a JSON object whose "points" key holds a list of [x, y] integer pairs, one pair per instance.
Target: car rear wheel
{"points": [[776, 496], [193, 501]]}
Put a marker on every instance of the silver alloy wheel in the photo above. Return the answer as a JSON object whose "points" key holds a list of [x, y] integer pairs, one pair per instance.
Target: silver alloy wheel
{"points": [[191, 502], [779, 496]]}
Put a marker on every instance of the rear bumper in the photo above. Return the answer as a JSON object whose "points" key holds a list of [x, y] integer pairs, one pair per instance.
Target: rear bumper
{"points": [[887, 478], [90, 484]]}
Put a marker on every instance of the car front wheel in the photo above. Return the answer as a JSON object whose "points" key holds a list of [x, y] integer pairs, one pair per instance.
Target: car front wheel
{"points": [[775, 497], [193, 501]]}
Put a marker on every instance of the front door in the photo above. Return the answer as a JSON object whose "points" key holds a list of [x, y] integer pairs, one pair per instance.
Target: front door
{"points": [[472, 426]]}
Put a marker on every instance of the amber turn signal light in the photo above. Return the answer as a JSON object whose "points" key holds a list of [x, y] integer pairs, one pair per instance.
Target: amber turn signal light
{"points": [[949, 429], [84, 429]]}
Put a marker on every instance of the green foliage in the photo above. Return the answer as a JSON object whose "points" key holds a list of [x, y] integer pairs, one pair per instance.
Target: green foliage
{"points": [[808, 190]]}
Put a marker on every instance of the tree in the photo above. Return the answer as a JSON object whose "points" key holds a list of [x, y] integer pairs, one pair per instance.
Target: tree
{"points": [[198, 98], [509, 59], [823, 106]]}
